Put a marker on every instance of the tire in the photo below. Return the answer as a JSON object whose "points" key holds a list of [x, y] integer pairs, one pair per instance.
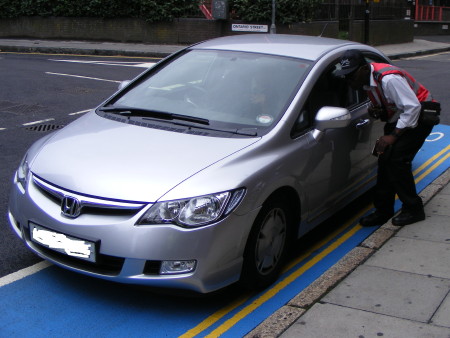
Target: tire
{"points": [[267, 245]]}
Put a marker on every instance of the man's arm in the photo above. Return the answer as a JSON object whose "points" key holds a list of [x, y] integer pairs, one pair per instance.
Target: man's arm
{"points": [[397, 90]]}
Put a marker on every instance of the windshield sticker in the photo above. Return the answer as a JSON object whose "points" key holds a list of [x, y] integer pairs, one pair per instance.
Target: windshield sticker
{"points": [[264, 119]]}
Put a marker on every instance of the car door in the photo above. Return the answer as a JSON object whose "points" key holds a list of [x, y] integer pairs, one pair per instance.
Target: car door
{"points": [[333, 167]]}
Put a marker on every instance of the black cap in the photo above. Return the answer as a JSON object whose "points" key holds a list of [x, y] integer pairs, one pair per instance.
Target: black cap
{"points": [[351, 60]]}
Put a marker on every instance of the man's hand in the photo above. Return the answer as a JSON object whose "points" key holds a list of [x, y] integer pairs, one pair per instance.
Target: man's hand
{"points": [[383, 142]]}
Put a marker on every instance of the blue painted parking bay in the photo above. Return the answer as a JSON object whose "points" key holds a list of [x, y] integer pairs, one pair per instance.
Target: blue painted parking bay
{"points": [[54, 302]]}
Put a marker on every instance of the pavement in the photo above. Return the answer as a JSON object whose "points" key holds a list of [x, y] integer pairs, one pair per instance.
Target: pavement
{"points": [[420, 46], [394, 284]]}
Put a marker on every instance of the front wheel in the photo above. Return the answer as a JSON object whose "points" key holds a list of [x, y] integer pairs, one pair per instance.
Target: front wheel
{"points": [[267, 244]]}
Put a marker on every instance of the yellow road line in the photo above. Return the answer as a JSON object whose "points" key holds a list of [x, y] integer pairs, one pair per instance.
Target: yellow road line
{"points": [[326, 239], [433, 167], [214, 318], [433, 158]]}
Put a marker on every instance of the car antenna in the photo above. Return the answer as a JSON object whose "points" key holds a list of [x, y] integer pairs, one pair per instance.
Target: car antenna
{"points": [[323, 30]]}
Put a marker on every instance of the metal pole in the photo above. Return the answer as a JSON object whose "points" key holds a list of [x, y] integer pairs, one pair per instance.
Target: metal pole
{"points": [[273, 29], [367, 22]]}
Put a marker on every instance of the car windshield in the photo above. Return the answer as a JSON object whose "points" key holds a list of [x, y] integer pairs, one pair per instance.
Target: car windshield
{"points": [[227, 89]]}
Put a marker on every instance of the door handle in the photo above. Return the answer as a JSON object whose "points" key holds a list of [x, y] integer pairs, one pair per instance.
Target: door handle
{"points": [[362, 123]]}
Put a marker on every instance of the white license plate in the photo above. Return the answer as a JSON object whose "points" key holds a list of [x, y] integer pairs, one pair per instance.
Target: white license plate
{"points": [[65, 244]]}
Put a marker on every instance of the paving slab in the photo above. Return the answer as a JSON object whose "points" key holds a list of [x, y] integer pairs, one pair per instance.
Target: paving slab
{"points": [[388, 292], [439, 205], [414, 256], [445, 191], [442, 316], [437, 229], [328, 320]]}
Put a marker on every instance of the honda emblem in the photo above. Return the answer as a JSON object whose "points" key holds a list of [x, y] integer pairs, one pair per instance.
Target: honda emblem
{"points": [[70, 207]]}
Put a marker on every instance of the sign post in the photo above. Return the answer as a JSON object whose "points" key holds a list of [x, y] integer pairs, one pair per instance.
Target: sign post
{"points": [[273, 29]]}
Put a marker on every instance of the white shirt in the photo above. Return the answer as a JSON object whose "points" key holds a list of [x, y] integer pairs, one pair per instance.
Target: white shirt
{"points": [[398, 92]]}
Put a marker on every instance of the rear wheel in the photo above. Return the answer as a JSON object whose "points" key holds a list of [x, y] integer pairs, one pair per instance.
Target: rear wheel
{"points": [[267, 244]]}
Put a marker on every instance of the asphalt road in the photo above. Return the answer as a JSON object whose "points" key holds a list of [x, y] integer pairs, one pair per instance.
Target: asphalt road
{"points": [[44, 88]]}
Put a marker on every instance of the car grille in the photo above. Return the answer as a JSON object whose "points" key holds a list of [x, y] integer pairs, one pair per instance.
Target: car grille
{"points": [[88, 205]]}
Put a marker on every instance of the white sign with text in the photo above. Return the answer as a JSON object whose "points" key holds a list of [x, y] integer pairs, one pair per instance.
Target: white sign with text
{"points": [[237, 27]]}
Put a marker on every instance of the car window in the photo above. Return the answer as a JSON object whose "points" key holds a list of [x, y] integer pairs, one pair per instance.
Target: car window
{"points": [[331, 90], [233, 89]]}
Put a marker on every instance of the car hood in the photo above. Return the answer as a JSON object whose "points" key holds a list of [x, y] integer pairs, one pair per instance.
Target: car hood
{"points": [[103, 158]]}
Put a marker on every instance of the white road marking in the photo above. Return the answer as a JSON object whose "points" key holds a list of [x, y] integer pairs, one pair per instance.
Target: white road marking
{"points": [[82, 77], [115, 63], [105, 63], [15, 276], [80, 112], [37, 122], [436, 136], [50, 119]]}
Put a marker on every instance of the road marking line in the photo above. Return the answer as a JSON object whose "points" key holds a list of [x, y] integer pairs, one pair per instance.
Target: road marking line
{"points": [[430, 160], [82, 77], [204, 325], [15, 276], [80, 112], [112, 63], [438, 163], [2, 129], [37, 122]]}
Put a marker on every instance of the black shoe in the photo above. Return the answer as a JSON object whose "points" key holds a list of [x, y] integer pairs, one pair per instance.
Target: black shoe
{"points": [[408, 217], [376, 218]]}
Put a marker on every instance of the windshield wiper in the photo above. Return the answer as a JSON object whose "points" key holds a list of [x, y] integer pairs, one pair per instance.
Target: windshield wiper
{"points": [[130, 111], [242, 131], [162, 115]]}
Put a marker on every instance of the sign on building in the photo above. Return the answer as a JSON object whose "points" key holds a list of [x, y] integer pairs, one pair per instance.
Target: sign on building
{"points": [[239, 27]]}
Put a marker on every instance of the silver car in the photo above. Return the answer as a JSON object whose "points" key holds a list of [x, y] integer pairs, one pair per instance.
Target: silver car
{"points": [[203, 170]]}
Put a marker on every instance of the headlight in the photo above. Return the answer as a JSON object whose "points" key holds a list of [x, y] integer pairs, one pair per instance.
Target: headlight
{"points": [[22, 172], [193, 212]]}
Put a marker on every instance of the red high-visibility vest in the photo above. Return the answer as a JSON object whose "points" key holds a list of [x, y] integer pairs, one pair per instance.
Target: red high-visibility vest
{"points": [[382, 69]]}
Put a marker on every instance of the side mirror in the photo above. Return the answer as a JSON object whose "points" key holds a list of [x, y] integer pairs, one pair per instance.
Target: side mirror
{"points": [[330, 118], [123, 84]]}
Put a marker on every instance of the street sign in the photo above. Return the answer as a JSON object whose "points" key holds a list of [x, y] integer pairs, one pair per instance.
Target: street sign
{"points": [[237, 27]]}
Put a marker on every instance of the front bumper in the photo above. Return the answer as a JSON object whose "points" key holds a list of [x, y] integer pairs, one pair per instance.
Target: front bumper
{"points": [[128, 253]]}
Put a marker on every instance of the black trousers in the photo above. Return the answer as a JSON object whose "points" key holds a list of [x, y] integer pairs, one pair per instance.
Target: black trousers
{"points": [[395, 171]]}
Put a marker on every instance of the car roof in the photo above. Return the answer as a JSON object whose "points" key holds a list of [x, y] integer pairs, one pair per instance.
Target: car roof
{"points": [[299, 46]]}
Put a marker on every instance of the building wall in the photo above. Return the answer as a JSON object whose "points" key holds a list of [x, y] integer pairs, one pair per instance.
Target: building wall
{"points": [[424, 28], [185, 31], [383, 32]]}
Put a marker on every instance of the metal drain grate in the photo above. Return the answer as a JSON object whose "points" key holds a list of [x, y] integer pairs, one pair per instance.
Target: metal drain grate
{"points": [[44, 127]]}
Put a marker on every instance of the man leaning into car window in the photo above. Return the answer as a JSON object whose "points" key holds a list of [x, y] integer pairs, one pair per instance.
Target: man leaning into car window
{"points": [[395, 98]]}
